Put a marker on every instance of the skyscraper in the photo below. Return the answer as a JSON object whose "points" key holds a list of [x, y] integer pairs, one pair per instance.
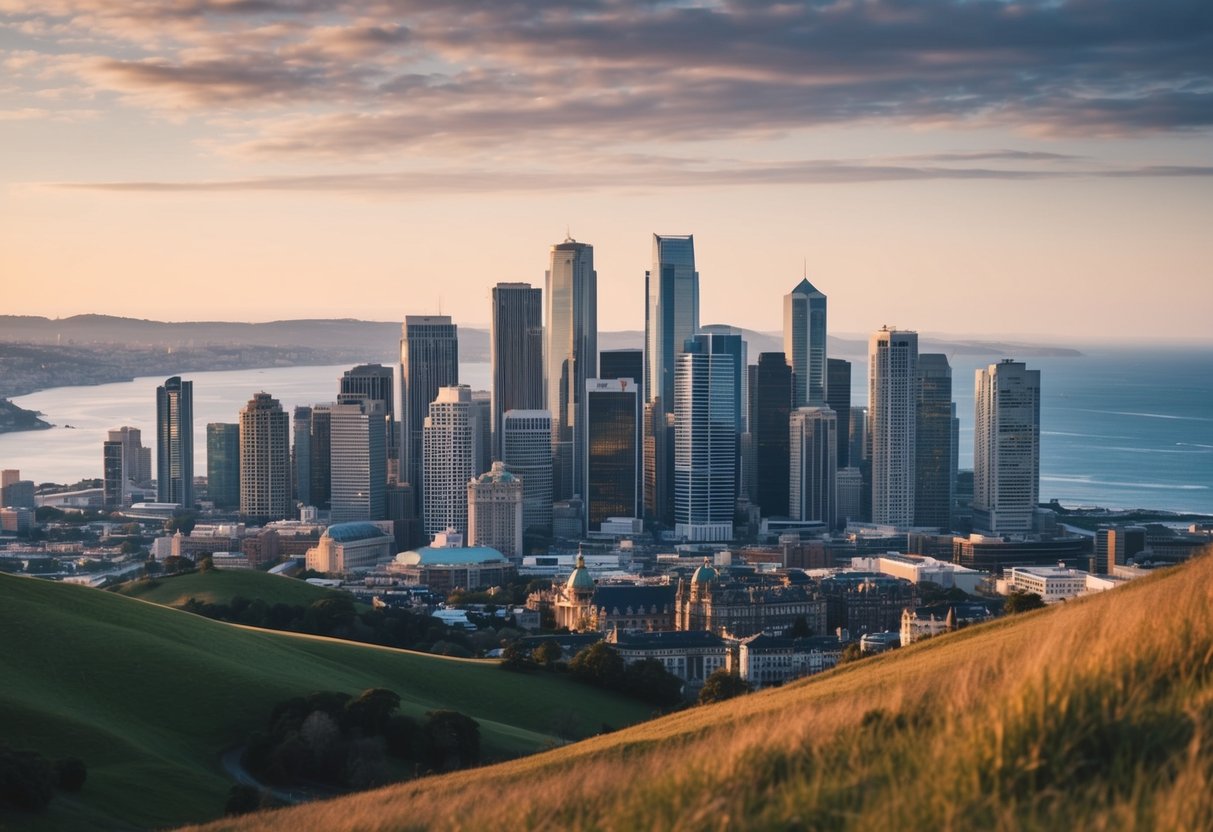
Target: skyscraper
{"points": [[358, 452], [526, 451], [623, 363], [571, 354], [813, 468], [223, 464], [376, 382], [743, 392], [429, 360], [725, 340], [612, 450], [770, 407], [495, 511], [449, 454], [804, 343], [515, 353], [705, 443], [481, 416], [1006, 448], [671, 316], [892, 419], [135, 458], [265, 459], [113, 474], [301, 454], [321, 491], [933, 461], [175, 442], [838, 399]]}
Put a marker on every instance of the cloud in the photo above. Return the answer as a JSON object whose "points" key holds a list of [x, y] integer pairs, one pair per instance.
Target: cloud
{"points": [[401, 76]]}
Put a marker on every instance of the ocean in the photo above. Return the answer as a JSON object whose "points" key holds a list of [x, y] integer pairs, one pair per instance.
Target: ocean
{"points": [[1119, 428]]}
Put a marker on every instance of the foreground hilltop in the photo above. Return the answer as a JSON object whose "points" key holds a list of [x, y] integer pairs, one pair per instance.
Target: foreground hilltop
{"points": [[1094, 714]]}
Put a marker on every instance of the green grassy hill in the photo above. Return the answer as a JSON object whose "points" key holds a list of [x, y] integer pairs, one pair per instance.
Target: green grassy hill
{"points": [[1095, 714], [150, 696], [220, 586]]}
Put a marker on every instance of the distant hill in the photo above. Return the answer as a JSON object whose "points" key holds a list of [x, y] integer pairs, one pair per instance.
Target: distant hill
{"points": [[220, 586], [149, 697], [1094, 714]]}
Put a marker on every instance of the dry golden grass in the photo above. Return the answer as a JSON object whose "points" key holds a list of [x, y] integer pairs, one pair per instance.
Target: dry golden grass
{"points": [[1097, 714]]}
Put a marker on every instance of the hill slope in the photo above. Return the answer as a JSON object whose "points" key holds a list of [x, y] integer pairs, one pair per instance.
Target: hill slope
{"points": [[220, 586], [149, 697], [1096, 714]]}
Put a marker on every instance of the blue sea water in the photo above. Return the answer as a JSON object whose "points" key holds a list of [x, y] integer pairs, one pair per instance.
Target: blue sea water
{"points": [[1119, 428]]}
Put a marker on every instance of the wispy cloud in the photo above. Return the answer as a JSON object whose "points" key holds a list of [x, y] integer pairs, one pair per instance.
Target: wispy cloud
{"points": [[397, 76]]}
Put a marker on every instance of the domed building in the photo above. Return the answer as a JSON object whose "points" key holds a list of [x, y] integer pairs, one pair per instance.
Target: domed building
{"points": [[350, 547], [495, 511], [574, 607], [732, 608]]}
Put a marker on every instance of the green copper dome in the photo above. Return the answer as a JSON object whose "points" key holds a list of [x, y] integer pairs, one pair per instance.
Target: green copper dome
{"points": [[580, 580], [704, 574]]}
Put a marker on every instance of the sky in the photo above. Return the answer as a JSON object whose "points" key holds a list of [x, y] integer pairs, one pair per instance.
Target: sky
{"points": [[1037, 169]]}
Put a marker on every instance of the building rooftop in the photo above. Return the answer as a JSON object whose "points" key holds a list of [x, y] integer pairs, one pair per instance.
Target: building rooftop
{"points": [[449, 556], [351, 532]]}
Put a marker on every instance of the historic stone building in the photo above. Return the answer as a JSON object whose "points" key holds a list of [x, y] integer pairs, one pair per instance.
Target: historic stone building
{"points": [[733, 608]]}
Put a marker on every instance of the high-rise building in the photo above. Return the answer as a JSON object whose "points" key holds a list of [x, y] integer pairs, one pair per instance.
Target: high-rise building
{"points": [[671, 316], [770, 407], [515, 353], [494, 508], [321, 491], [570, 354], [813, 466], [374, 381], [223, 464], [1006, 448], [265, 459], [175, 442], [450, 461], [526, 451], [481, 415], [134, 459], [113, 474], [358, 453], [16, 492], [429, 360], [301, 454], [849, 486], [838, 399], [402, 511], [804, 343], [892, 419], [933, 461], [623, 363], [1116, 546], [612, 450], [727, 341], [742, 367], [705, 444]]}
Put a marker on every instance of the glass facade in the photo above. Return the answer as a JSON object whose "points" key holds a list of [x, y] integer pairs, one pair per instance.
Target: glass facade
{"points": [[223, 464], [612, 450]]}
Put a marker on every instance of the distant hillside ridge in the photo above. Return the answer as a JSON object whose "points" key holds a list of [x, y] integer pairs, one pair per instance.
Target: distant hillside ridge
{"points": [[1092, 714]]}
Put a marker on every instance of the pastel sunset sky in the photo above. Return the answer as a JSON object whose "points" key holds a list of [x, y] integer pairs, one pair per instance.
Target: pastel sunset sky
{"points": [[1040, 169]]}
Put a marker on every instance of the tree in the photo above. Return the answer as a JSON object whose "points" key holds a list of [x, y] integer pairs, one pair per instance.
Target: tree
{"points": [[1022, 602], [599, 665], [649, 681], [206, 564], [547, 653], [183, 522], [722, 685], [452, 740], [851, 653], [372, 710]]}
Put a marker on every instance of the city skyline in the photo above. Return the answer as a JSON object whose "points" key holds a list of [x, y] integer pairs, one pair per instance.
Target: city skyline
{"points": [[879, 150]]}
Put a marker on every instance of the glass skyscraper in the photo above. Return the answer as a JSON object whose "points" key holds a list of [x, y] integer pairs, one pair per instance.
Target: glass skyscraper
{"points": [[933, 460], [515, 353], [612, 450], [804, 343], [770, 406], [223, 464], [705, 443], [571, 356], [429, 360], [1006, 448], [175, 442], [892, 423]]}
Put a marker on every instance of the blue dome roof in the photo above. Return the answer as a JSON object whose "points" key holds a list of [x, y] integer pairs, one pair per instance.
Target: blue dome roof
{"points": [[580, 579], [350, 532], [704, 574]]}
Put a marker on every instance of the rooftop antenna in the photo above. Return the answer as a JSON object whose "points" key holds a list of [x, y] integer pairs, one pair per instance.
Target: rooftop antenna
{"points": [[568, 235], [806, 269]]}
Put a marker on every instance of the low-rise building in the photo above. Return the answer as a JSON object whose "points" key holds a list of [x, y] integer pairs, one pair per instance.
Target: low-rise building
{"points": [[445, 568], [691, 656], [765, 660], [1051, 583], [350, 547]]}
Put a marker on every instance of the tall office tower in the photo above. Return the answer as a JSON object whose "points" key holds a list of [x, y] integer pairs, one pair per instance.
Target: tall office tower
{"points": [[175, 442], [402, 511], [623, 363], [849, 485], [133, 459], [838, 399], [743, 375], [429, 360], [770, 407], [526, 451], [9, 476], [804, 343], [671, 316], [515, 353], [265, 459], [933, 463], [1006, 448], [482, 430], [113, 473], [705, 443], [223, 464], [301, 454], [612, 426], [374, 381], [570, 355], [320, 445], [450, 461], [858, 447], [495, 511], [812, 472], [722, 342], [358, 452], [892, 412]]}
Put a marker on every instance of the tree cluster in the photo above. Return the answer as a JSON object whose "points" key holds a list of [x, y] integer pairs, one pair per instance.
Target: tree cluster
{"points": [[601, 665], [334, 740], [722, 685], [28, 780], [1022, 602]]}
